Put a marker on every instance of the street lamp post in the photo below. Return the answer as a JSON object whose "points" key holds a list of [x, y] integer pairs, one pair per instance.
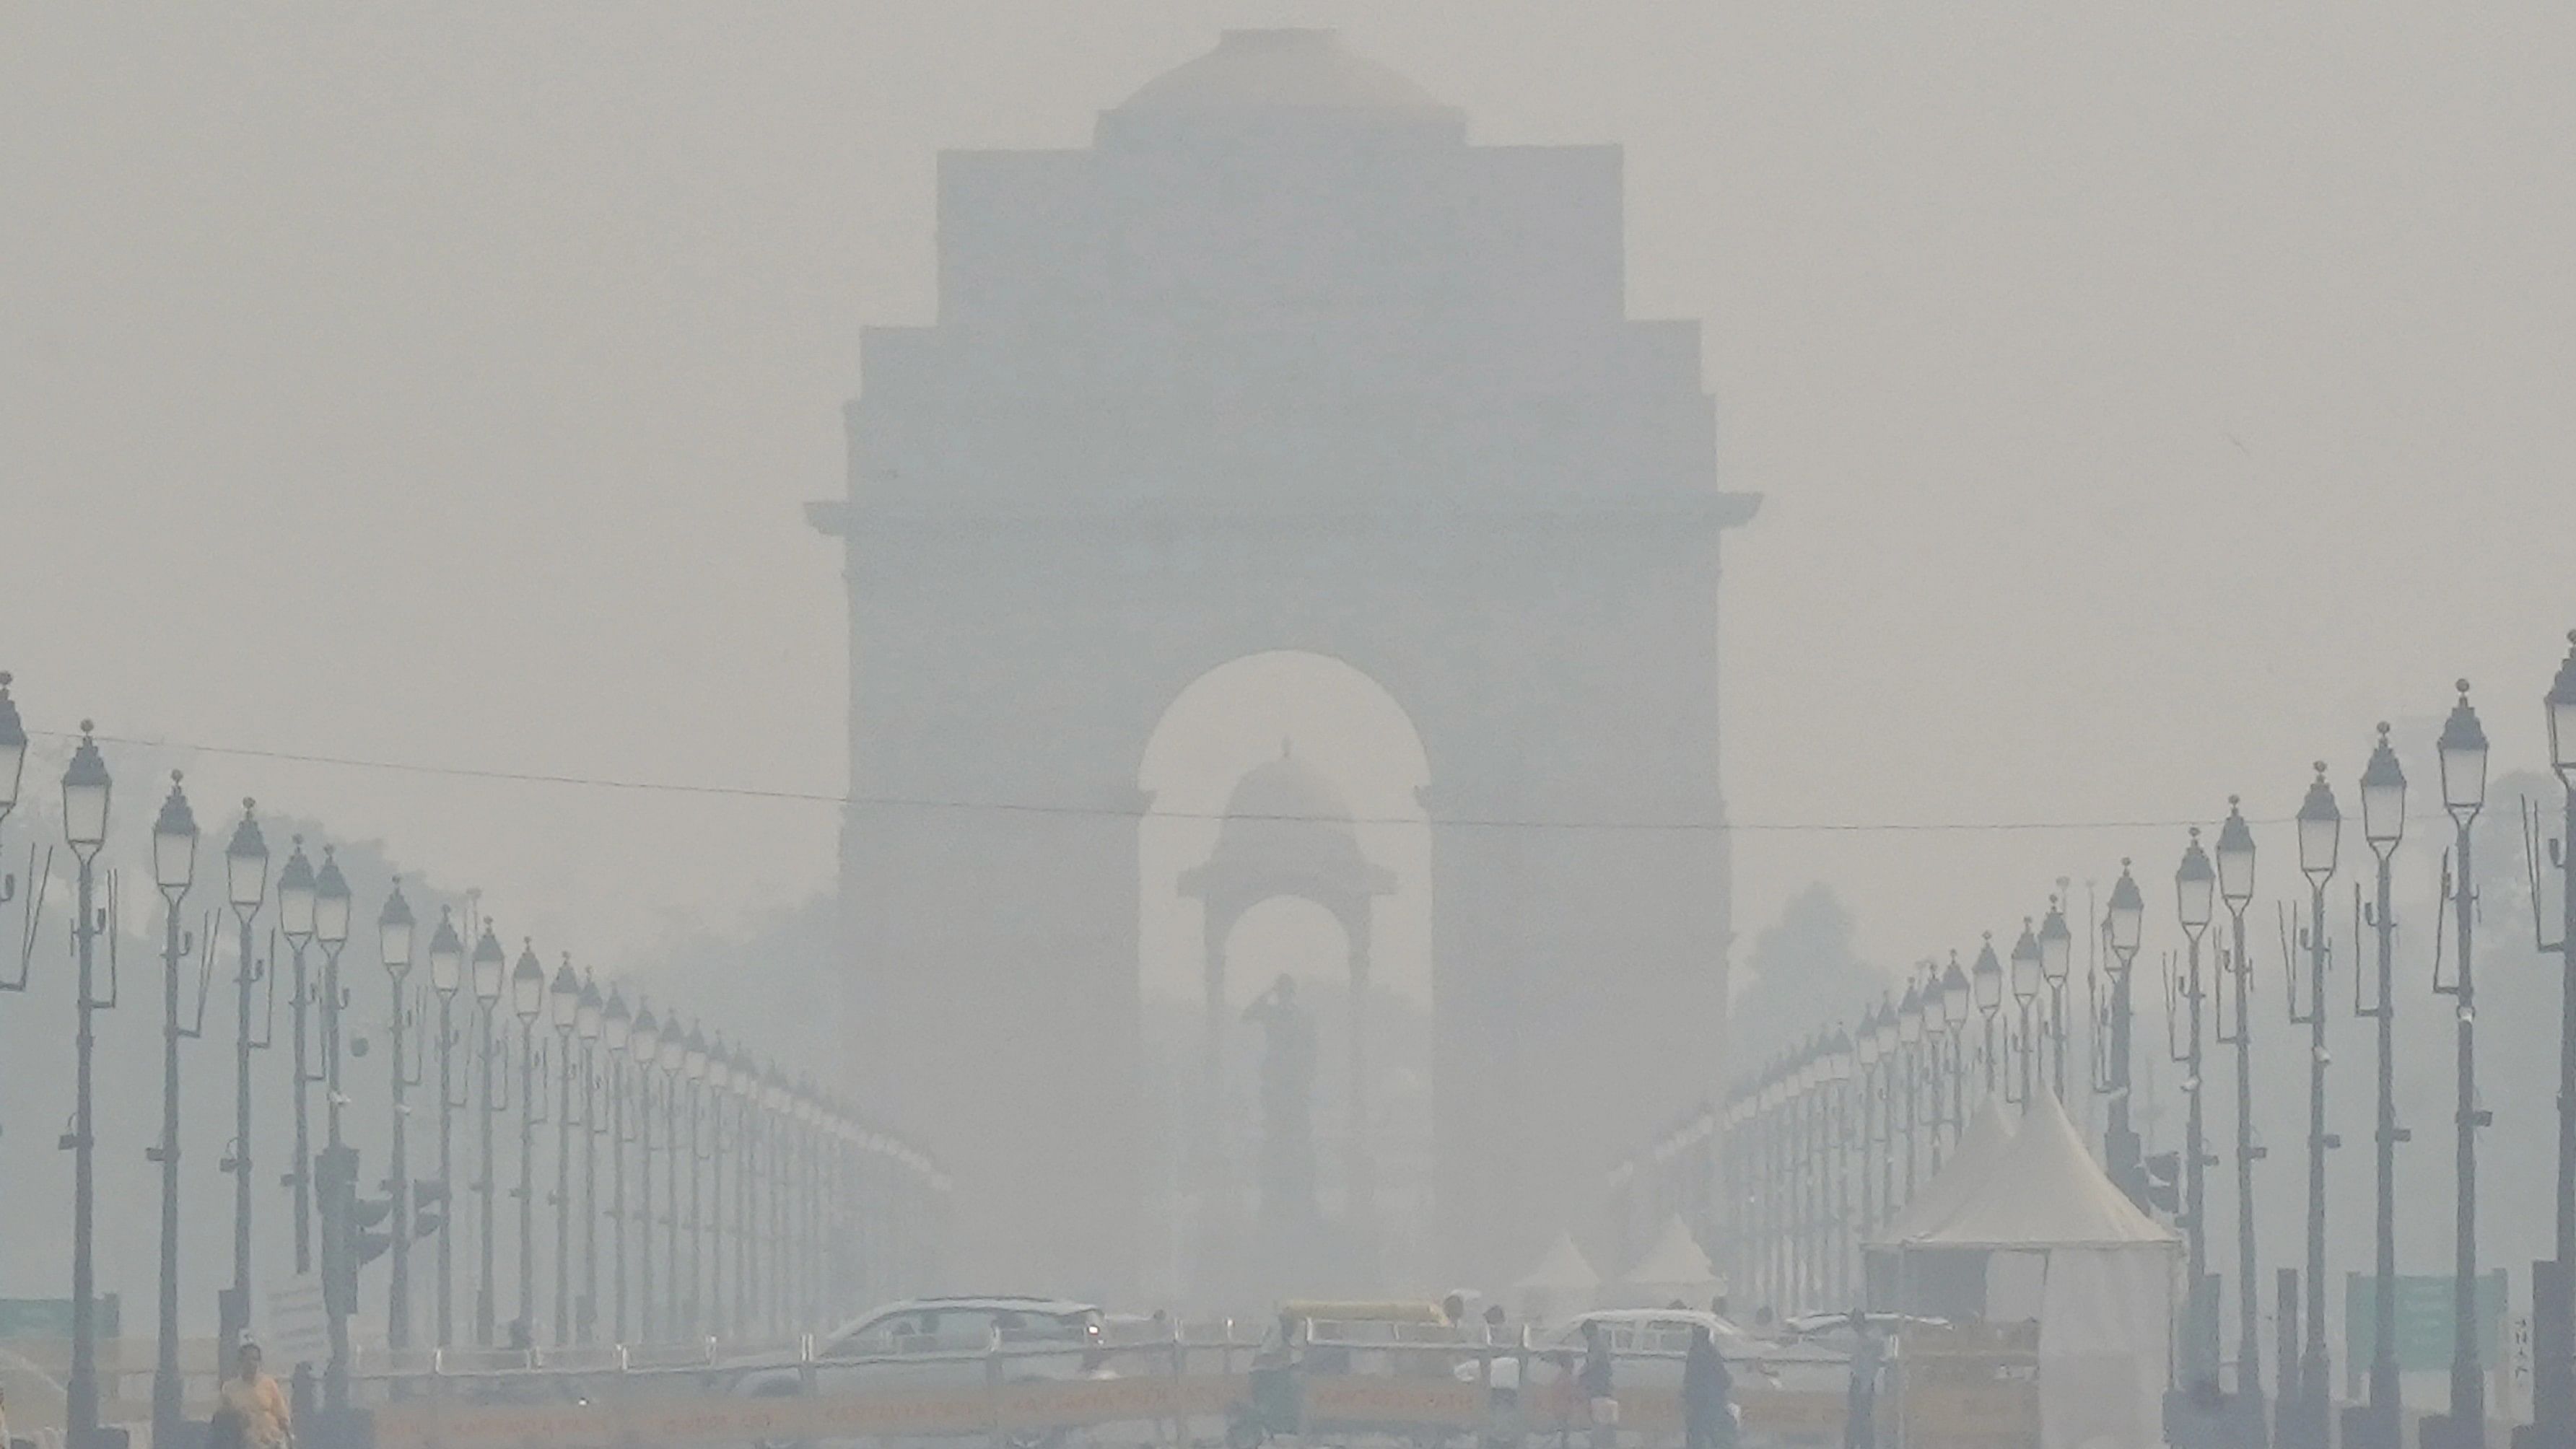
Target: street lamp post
{"points": [[86, 787], [2195, 892], [1839, 1056], [488, 981], [782, 1197], [1865, 1046], [674, 1054], [1774, 1189], [527, 1002], [2056, 960], [2123, 926], [1890, 1063], [2554, 1373], [741, 1079], [394, 933], [2320, 826], [2383, 825], [1802, 1177], [2026, 984], [13, 767], [1909, 1046], [644, 1044], [1955, 1006], [1776, 1249], [1986, 980], [719, 1072], [2462, 751], [2236, 888], [174, 869], [564, 1002], [694, 1064], [1737, 1190], [589, 1020], [446, 978], [616, 1032], [331, 928], [246, 876], [795, 1114], [295, 922]]}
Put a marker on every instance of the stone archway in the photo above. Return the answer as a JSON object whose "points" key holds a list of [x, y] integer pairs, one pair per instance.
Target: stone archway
{"points": [[1287, 834], [1186, 401]]}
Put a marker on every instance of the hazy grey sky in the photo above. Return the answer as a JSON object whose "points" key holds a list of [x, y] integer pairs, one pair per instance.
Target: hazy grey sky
{"points": [[2146, 401]]}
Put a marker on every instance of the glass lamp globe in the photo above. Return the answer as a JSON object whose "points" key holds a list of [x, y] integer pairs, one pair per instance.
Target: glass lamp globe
{"points": [[2195, 887], [489, 961], [394, 929], [616, 1023], [174, 843], [2235, 858], [2320, 829], [563, 999], [246, 864], [446, 954], [2463, 753], [295, 896], [2561, 702], [331, 903], [2126, 920], [528, 985], [2056, 945], [2026, 975], [86, 788], [13, 749], [2383, 797]]}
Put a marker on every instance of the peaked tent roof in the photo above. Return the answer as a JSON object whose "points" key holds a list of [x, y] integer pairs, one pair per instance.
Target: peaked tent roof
{"points": [[1988, 1138], [1675, 1262], [1564, 1267], [2045, 1192]]}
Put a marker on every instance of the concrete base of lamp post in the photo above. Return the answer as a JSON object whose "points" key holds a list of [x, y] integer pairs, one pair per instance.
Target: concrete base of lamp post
{"points": [[2206, 1418], [2553, 1362]]}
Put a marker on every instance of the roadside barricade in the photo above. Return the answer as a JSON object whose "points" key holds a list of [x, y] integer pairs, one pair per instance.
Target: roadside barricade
{"points": [[1194, 1390]]}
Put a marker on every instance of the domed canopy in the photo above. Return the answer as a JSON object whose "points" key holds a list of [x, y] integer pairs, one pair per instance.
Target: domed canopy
{"points": [[1286, 833], [1283, 70], [1284, 790]]}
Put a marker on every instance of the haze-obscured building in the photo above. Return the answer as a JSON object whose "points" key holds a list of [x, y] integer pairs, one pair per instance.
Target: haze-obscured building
{"points": [[1281, 362]]}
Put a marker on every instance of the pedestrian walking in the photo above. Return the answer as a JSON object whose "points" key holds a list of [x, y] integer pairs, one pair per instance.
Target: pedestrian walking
{"points": [[1869, 1356], [1708, 1394], [1600, 1395], [256, 1401]]}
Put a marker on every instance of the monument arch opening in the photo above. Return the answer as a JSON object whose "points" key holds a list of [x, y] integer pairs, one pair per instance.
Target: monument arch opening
{"points": [[1284, 866], [1281, 358]]}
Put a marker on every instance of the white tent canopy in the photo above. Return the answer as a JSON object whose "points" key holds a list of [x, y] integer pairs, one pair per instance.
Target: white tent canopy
{"points": [[1562, 1285], [1675, 1268], [2044, 1191], [1971, 1165], [2105, 1298]]}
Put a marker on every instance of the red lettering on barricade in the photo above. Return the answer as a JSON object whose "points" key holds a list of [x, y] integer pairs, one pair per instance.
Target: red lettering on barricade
{"points": [[1779, 1411], [1438, 1403], [838, 1416], [1969, 1387]]}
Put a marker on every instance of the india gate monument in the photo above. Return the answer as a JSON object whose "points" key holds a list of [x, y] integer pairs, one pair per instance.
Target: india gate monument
{"points": [[1281, 361]]}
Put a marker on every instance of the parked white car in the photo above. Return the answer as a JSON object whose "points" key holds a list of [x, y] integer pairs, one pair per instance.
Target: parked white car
{"points": [[938, 1343]]}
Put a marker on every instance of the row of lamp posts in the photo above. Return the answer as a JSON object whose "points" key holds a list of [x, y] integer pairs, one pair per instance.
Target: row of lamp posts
{"points": [[1833, 1123], [821, 1209]]}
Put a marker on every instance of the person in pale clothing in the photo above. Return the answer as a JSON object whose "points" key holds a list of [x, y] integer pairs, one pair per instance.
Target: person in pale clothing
{"points": [[259, 1404]]}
